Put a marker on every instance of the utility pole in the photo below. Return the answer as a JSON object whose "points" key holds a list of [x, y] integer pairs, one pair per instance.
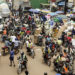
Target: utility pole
{"points": [[12, 4], [50, 5], [65, 8]]}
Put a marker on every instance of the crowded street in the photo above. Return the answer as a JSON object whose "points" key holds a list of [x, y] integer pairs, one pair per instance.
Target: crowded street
{"points": [[37, 37]]}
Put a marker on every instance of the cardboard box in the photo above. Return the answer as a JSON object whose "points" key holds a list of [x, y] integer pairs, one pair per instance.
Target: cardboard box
{"points": [[37, 31]]}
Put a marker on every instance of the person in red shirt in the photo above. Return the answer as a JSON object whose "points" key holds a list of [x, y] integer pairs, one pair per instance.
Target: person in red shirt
{"points": [[29, 18], [28, 32], [23, 28], [69, 39]]}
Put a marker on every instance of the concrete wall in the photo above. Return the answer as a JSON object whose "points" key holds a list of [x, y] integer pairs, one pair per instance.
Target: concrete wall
{"points": [[18, 2]]}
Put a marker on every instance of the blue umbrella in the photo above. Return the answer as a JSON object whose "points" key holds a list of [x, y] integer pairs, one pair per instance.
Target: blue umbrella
{"points": [[53, 14], [61, 3], [63, 16], [59, 12], [60, 19], [33, 11]]}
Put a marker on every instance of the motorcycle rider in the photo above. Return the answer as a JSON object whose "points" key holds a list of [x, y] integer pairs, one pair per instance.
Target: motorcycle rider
{"points": [[24, 59], [30, 46]]}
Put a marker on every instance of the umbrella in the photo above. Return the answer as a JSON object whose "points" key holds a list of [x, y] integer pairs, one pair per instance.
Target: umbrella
{"points": [[33, 10], [56, 20], [59, 12], [61, 3], [63, 16], [60, 19], [52, 14], [45, 11]]}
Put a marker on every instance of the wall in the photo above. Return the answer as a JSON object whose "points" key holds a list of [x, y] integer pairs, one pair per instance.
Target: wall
{"points": [[36, 3]]}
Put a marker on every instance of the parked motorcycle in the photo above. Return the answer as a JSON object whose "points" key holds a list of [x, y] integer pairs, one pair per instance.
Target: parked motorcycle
{"points": [[5, 50], [31, 53], [47, 60]]}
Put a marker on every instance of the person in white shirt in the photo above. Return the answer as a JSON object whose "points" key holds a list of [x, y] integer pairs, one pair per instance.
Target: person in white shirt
{"points": [[13, 38], [27, 42]]}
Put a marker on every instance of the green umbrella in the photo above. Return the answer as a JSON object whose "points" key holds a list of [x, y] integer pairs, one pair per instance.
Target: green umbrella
{"points": [[56, 20]]}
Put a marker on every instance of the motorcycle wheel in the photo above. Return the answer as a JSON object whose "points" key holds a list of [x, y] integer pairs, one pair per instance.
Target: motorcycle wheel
{"points": [[33, 54], [3, 53], [18, 70], [49, 63]]}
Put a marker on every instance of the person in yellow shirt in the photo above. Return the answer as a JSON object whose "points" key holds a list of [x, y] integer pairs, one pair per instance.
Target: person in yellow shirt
{"points": [[30, 46]]}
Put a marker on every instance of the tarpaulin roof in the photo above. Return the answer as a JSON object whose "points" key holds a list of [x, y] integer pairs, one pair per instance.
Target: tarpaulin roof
{"points": [[61, 3], [59, 12]]}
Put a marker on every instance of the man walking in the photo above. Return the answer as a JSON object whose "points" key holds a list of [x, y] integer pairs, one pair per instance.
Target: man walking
{"points": [[12, 57]]}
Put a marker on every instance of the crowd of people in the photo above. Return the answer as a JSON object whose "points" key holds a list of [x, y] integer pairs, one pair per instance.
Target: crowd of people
{"points": [[17, 31]]}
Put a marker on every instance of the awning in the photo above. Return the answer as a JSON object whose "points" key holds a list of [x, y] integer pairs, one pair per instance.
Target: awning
{"points": [[61, 3], [45, 11], [63, 16], [59, 12], [34, 10], [52, 14]]}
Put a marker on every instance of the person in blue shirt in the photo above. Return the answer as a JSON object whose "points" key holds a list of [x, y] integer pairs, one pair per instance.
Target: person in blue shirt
{"points": [[51, 22], [12, 57]]}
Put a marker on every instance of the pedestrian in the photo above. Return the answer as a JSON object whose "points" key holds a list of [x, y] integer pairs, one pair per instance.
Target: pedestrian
{"points": [[12, 57], [0, 56], [26, 72], [45, 73]]}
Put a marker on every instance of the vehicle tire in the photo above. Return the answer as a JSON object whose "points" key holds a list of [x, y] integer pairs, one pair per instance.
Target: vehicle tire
{"points": [[49, 63], [18, 70], [33, 54]]}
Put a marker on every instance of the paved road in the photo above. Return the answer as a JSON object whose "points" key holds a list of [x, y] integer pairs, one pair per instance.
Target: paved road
{"points": [[35, 66]]}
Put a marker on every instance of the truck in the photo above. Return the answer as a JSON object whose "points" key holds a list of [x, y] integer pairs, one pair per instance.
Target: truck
{"points": [[4, 9], [4, 12]]}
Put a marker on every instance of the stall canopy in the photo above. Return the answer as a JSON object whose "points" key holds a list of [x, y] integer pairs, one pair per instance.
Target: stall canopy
{"points": [[61, 3], [53, 14], [56, 20], [59, 12], [63, 16], [34, 10], [45, 11]]}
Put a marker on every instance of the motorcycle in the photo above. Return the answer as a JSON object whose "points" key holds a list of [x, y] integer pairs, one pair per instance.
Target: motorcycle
{"points": [[5, 50], [31, 53], [21, 65], [47, 60]]}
